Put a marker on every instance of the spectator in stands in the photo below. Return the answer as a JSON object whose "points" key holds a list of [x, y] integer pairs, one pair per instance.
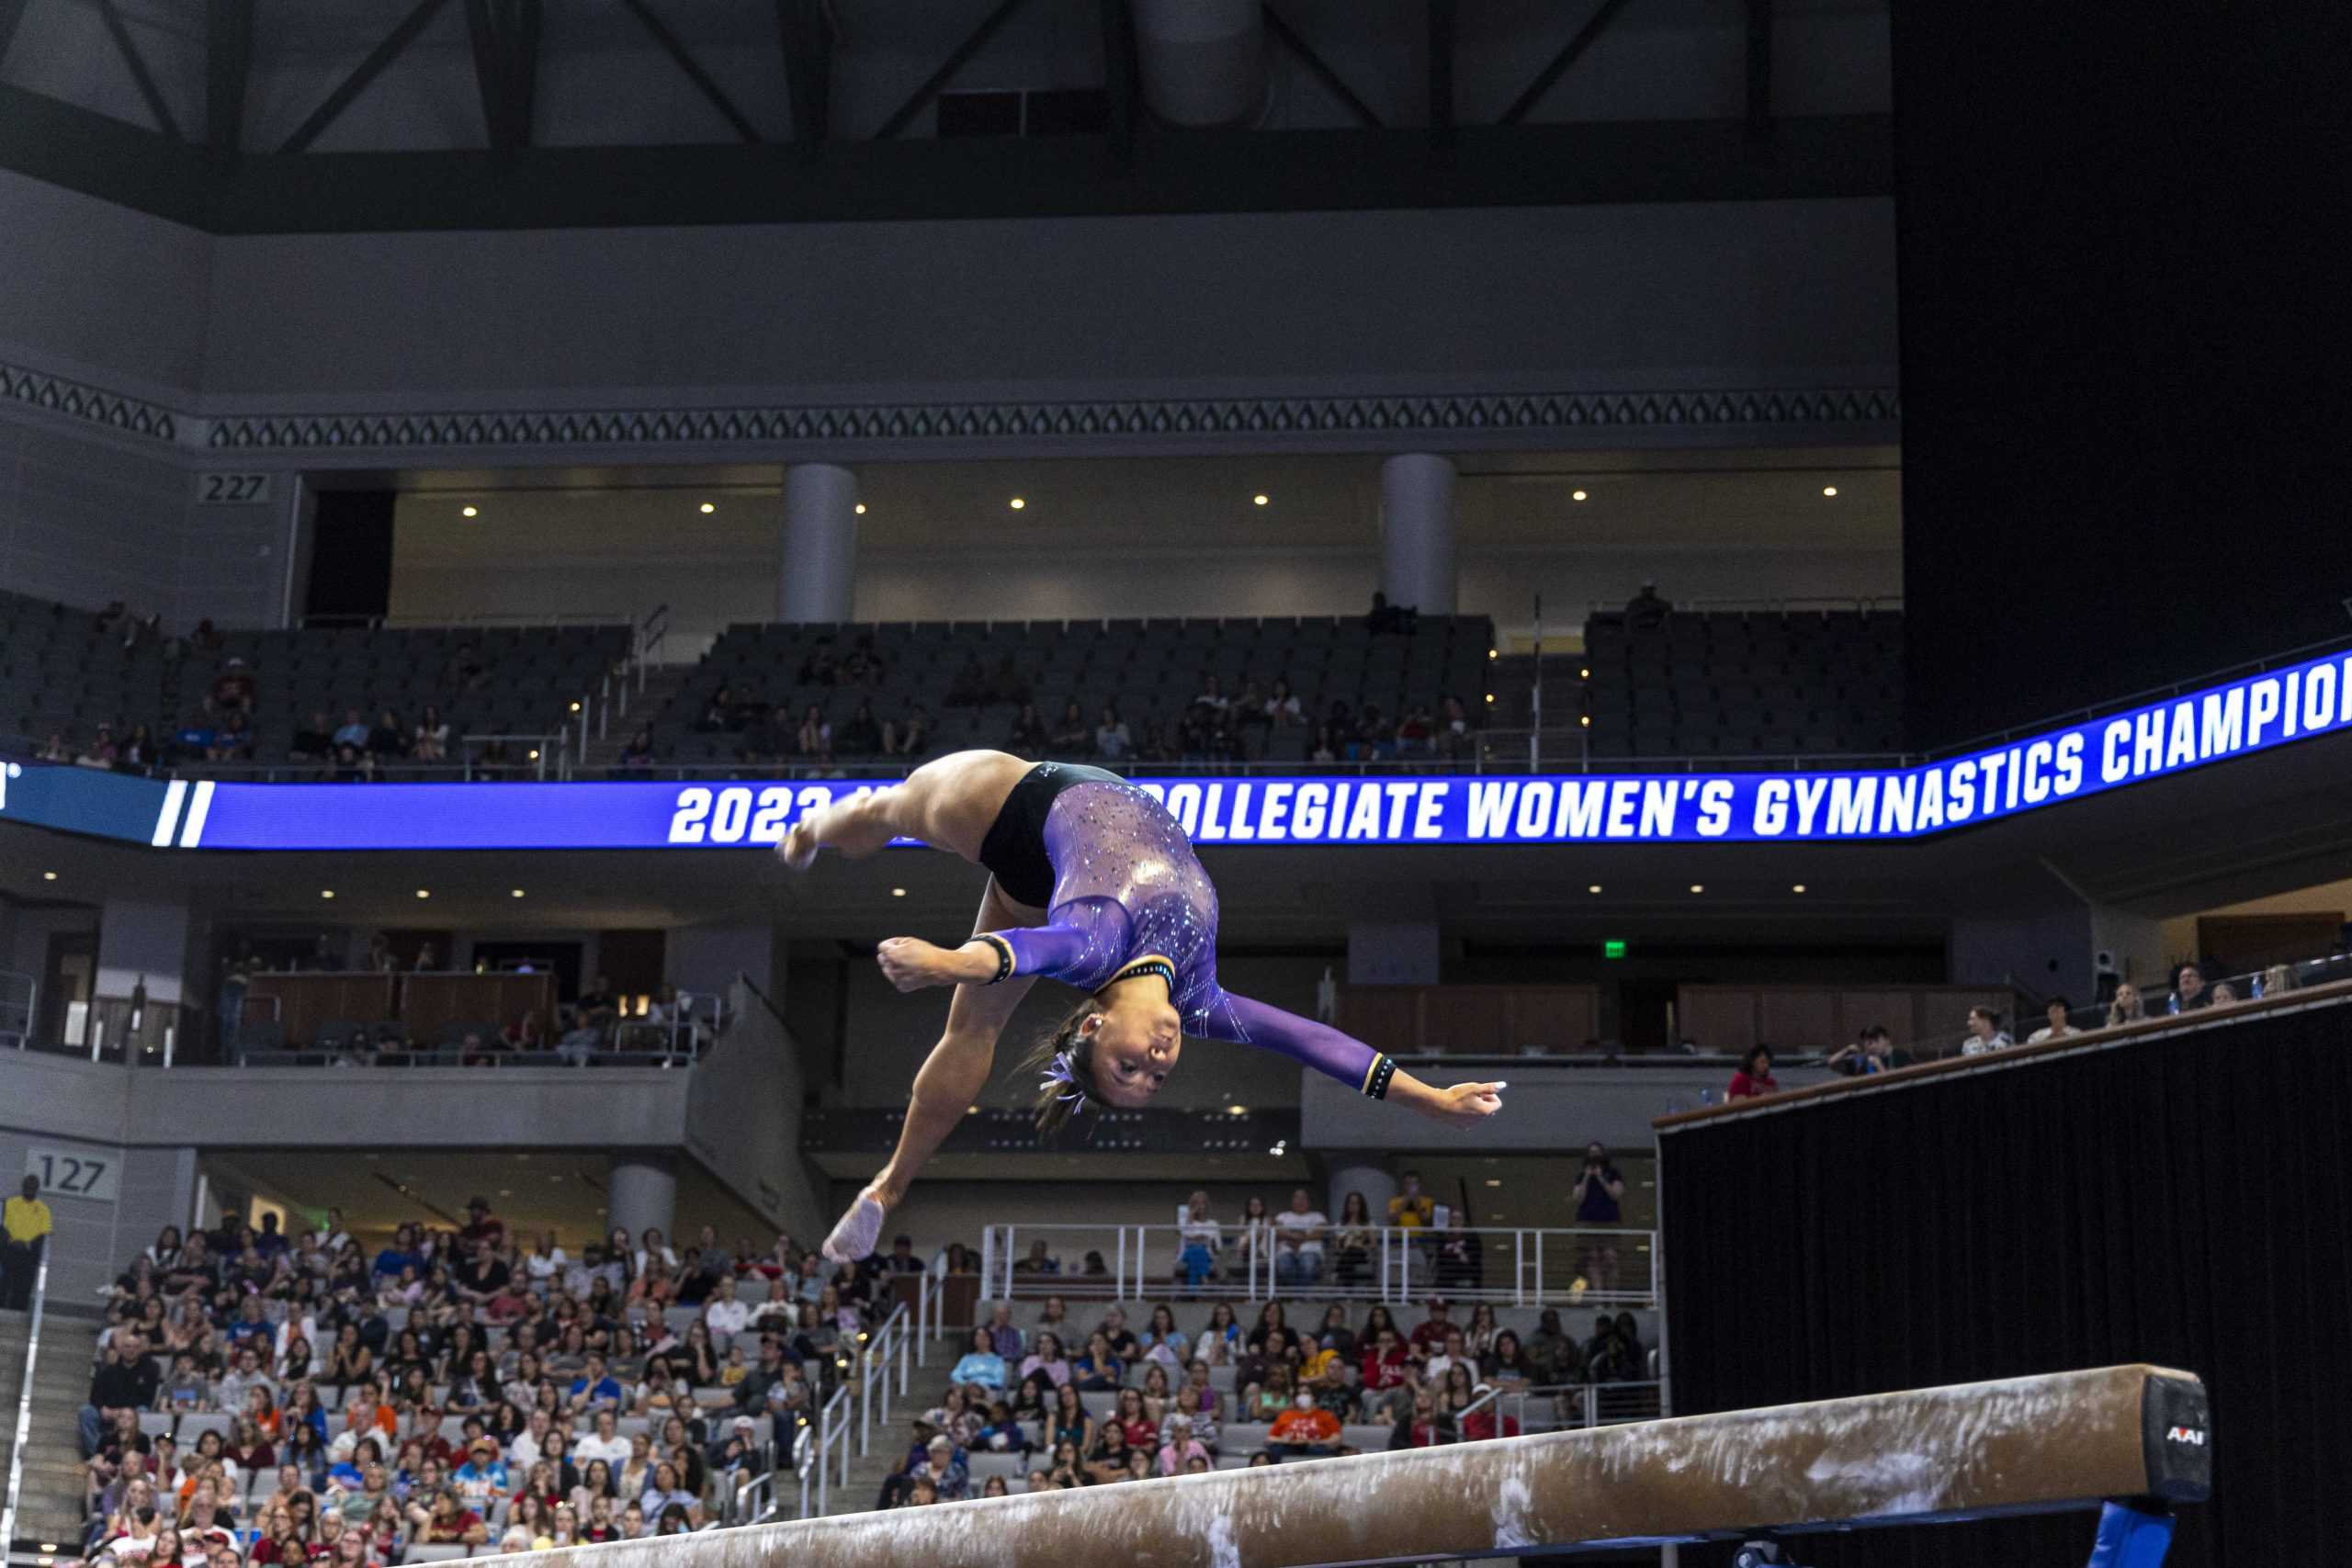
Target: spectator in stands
{"points": [[1352, 1241], [56, 748], [1071, 737], [313, 741], [2125, 1006], [430, 743], [820, 668], [233, 687], [1385, 619], [910, 733], [1754, 1080], [1461, 1261], [813, 741], [2275, 981], [25, 1226], [1027, 736], [1425, 1426], [2060, 1025], [353, 733], [861, 734], [863, 667], [2223, 993], [1298, 1243], [1281, 709], [137, 753], [718, 714], [1096, 1370], [1304, 1430], [1985, 1032], [1411, 1208], [980, 1367], [127, 1378], [1599, 1193], [1200, 1240], [1037, 1263], [100, 751], [1872, 1051], [1047, 1357], [387, 741], [2189, 992], [1003, 1337]]}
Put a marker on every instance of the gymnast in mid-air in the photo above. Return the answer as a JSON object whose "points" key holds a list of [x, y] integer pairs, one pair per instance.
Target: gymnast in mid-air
{"points": [[1093, 884]]}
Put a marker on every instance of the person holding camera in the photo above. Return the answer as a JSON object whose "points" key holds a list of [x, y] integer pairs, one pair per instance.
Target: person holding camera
{"points": [[1598, 1195]]}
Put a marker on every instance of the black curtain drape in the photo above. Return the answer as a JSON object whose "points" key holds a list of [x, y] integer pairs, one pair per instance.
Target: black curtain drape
{"points": [[2184, 1201]]}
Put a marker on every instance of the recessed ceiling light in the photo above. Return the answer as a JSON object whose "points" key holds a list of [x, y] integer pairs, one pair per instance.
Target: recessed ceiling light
{"points": [[1584, 674], [1576, 495], [1256, 500], [535, 754], [1829, 489], [1594, 888], [49, 876], [1018, 504], [506, 1192], [1237, 1111], [575, 706], [1490, 696], [1584, 721], [1798, 888], [424, 893], [467, 512], [326, 892], [1494, 1181], [897, 893], [516, 894], [708, 508], [861, 509], [1494, 653], [1698, 887]]}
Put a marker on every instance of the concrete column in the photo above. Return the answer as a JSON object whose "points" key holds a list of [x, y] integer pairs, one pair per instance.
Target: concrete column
{"points": [[1417, 531], [1354, 1171], [818, 578], [1202, 62], [644, 1192]]}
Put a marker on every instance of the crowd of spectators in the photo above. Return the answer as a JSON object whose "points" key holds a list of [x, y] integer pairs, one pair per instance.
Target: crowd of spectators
{"points": [[219, 725], [1874, 1051], [268, 1399], [1069, 1404]]}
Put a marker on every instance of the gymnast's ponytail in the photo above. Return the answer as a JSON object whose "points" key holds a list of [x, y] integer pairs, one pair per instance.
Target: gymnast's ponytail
{"points": [[1064, 1059]]}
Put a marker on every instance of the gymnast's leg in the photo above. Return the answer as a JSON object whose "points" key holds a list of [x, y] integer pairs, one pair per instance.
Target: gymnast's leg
{"points": [[947, 802]]}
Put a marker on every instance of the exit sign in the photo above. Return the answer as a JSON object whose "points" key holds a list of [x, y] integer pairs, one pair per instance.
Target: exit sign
{"points": [[1612, 948]]}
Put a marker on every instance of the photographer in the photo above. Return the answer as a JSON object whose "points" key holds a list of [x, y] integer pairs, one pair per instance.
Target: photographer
{"points": [[1599, 1192]]}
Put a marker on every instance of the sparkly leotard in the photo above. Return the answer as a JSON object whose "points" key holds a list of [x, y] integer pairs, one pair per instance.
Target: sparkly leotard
{"points": [[1128, 887]]}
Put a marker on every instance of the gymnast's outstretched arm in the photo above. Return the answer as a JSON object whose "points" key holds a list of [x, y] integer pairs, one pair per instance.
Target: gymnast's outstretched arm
{"points": [[951, 1077], [1347, 1059]]}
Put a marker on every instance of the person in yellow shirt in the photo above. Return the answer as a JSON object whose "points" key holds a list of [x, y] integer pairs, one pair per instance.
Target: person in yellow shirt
{"points": [[28, 1224], [1411, 1208]]}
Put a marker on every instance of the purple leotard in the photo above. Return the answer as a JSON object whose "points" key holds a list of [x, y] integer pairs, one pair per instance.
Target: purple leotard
{"points": [[1126, 886]]}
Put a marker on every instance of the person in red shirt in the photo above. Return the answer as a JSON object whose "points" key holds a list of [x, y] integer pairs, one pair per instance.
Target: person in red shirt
{"points": [[1429, 1337], [1304, 1428], [1383, 1363], [1754, 1080]]}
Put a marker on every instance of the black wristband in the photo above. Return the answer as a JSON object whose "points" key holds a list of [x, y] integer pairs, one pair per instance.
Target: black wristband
{"points": [[1003, 956], [1376, 1082]]}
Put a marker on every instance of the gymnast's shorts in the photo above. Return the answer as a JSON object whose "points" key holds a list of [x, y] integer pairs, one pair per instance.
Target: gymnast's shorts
{"points": [[1014, 849]]}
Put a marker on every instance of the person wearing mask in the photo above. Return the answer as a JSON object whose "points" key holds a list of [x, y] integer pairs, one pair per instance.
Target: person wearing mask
{"points": [[1304, 1428]]}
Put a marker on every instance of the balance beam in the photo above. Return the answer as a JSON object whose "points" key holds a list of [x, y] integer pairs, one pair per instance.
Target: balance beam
{"points": [[2024, 1445]]}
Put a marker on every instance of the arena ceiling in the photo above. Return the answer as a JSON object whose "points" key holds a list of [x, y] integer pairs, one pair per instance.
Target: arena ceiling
{"points": [[275, 115]]}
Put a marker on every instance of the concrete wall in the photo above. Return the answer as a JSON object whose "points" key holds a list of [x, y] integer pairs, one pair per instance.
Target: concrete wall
{"points": [[59, 1103], [98, 291], [743, 1111], [1754, 293], [413, 1108]]}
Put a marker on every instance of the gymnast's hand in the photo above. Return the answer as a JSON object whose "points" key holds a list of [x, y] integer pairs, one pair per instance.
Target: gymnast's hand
{"points": [[911, 963], [1464, 1105]]}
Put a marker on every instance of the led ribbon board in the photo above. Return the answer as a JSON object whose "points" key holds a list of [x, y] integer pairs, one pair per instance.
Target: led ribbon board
{"points": [[2255, 714]]}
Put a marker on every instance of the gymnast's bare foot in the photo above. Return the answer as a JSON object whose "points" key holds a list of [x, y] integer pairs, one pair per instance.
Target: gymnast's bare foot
{"points": [[798, 848]]}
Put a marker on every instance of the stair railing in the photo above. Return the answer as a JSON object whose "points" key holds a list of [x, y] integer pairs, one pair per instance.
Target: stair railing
{"points": [[24, 1408]]}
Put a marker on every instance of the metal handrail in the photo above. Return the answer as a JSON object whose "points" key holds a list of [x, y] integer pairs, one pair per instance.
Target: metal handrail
{"points": [[25, 1406], [26, 1016], [1397, 1269]]}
